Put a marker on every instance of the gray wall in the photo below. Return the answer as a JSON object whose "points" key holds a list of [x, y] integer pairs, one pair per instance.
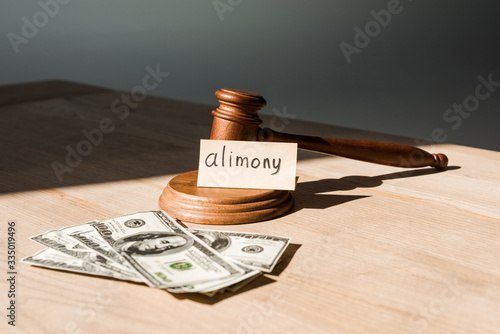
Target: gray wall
{"points": [[425, 60]]}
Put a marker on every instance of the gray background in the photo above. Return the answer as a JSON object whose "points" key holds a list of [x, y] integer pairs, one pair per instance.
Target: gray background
{"points": [[426, 59]]}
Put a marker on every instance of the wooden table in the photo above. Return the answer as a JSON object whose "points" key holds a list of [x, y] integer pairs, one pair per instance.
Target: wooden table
{"points": [[375, 249]]}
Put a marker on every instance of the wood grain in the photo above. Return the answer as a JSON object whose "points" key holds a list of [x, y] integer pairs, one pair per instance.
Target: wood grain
{"points": [[375, 249]]}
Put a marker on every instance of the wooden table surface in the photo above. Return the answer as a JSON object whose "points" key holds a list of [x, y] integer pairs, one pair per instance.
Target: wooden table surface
{"points": [[375, 249]]}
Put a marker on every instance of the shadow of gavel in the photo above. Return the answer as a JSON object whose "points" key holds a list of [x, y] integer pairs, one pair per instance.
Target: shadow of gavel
{"points": [[237, 119]]}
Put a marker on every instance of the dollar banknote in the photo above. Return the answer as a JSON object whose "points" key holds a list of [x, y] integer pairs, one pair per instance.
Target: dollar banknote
{"points": [[59, 240], [256, 250], [163, 252], [217, 285], [237, 286], [89, 237], [51, 258], [153, 248]]}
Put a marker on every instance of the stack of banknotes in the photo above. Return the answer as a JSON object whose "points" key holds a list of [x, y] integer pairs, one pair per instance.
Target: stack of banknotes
{"points": [[153, 248]]}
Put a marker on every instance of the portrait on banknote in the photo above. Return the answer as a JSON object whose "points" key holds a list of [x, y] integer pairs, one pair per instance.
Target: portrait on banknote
{"points": [[217, 240], [152, 243]]}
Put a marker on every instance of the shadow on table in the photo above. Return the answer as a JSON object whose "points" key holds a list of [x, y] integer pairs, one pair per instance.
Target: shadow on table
{"points": [[308, 194], [77, 138]]}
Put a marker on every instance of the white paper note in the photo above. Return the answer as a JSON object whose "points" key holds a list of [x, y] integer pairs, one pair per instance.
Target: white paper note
{"points": [[247, 164]]}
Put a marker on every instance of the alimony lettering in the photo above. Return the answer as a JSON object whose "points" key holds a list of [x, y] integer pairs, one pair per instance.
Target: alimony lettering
{"points": [[247, 164], [214, 159]]}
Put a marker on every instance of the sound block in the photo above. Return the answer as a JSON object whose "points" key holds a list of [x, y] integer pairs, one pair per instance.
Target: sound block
{"points": [[182, 199]]}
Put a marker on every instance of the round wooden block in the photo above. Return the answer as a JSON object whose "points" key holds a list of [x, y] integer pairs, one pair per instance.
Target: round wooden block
{"points": [[182, 199]]}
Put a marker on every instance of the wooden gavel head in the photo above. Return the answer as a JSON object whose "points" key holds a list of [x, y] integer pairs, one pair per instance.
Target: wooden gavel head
{"points": [[237, 119]]}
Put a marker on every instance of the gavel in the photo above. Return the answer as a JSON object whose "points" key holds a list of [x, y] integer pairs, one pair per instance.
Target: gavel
{"points": [[237, 119]]}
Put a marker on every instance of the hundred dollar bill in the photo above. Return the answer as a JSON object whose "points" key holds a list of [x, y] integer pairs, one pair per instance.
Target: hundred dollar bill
{"points": [[235, 287], [89, 237], [51, 258], [162, 251], [248, 275], [216, 285], [209, 294], [259, 251], [58, 240]]}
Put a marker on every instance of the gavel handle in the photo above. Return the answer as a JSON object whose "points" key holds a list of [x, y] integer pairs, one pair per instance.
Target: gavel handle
{"points": [[364, 150]]}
